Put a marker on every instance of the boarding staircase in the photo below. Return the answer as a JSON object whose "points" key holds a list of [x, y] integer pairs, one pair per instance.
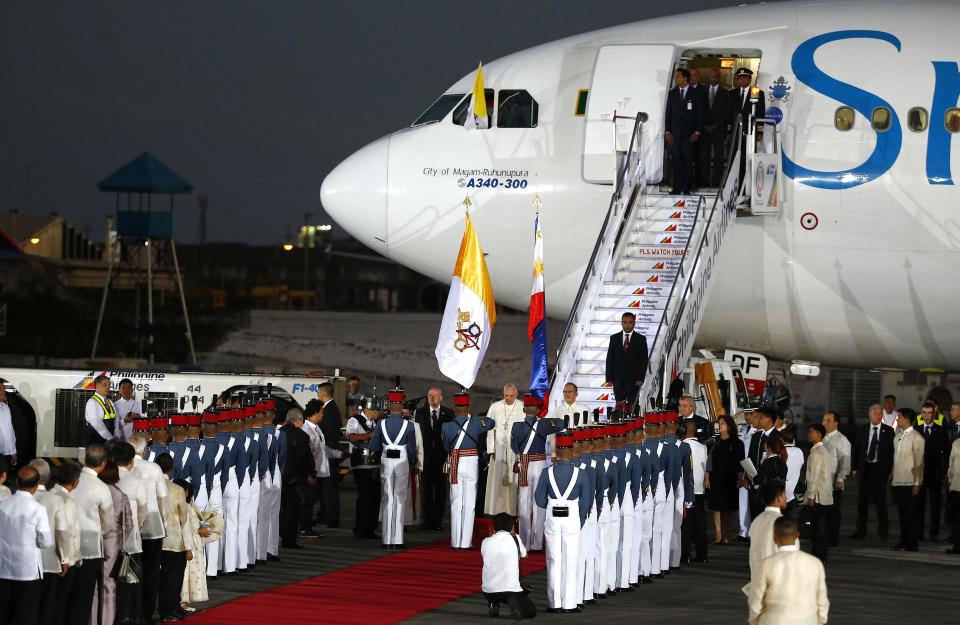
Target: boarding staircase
{"points": [[654, 257]]}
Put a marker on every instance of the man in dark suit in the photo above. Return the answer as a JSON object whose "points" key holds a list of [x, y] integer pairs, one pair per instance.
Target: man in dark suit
{"points": [[298, 470], [626, 360], [936, 453], [766, 423], [872, 462], [743, 105], [683, 123], [330, 425], [433, 482], [710, 147], [703, 429]]}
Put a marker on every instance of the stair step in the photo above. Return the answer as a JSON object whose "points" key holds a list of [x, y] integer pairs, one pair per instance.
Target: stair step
{"points": [[656, 250], [655, 289], [603, 314], [671, 201], [601, 340], [663, 225], [659, 238], [646, 265], [626, 302], [664, 214]]}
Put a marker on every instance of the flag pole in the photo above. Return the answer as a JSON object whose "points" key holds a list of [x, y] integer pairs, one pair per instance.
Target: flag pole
{"points": [[467, 203]]}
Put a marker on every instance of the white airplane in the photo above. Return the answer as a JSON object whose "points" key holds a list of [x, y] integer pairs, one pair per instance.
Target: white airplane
{"points": [[857, 269]]}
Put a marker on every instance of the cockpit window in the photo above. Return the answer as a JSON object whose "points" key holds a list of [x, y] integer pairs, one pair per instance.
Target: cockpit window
{"points": [[460, 114], [439, 109], [517, 109], [951, 119]]}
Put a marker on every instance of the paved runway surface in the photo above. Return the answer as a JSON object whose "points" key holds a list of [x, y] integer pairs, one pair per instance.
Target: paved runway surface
{"points": [[867, 583]]}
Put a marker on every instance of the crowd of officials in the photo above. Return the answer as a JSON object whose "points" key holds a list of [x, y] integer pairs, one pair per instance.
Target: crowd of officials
{"points": [[160, 505]]}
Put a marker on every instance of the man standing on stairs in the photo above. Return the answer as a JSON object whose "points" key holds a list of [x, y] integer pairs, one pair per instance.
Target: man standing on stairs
{"points": [[626, 360], [684, 123]]}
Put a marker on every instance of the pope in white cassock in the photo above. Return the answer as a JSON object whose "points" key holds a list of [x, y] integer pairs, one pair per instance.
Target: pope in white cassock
{"points": [[502, 482]]}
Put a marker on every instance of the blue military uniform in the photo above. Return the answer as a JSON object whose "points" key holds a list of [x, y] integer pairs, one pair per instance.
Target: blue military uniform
{"points": [[396, 440], [528, 440], [460, 439]]}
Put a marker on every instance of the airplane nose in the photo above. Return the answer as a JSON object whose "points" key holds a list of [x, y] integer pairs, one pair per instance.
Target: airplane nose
{"points": [[354, 194]]}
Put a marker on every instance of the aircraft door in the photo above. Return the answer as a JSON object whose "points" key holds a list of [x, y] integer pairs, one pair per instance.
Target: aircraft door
{"points": [[627, 79]]}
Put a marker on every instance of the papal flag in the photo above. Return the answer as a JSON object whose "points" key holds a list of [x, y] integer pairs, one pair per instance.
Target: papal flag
{"points": [[469, 315], [477, 117]]}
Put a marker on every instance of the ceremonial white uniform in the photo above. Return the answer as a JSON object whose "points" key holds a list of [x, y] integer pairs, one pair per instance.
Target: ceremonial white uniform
{"points": [[531, 516], [610, 531], [562, 535], [662, 514], [243, 516], [502, 482], [746, 433], [625, 544], [212, 502], [395, 482], [269, 501], [254, 519], [587, 546], [230, 541], [463, 490], [679, 497]]}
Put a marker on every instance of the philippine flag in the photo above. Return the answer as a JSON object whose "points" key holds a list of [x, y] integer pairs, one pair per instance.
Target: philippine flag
{"points": [[537, 323], [469, 315]]}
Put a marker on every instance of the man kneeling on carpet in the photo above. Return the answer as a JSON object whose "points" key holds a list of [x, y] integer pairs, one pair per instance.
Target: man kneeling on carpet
{"points": [[501, 570]]}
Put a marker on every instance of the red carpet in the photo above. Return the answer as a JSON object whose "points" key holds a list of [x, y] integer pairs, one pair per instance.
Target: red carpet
{"points": [[384, 590]]}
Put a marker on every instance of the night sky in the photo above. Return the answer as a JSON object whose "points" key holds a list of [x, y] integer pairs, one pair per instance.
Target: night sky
{"points": [[252, 102]]}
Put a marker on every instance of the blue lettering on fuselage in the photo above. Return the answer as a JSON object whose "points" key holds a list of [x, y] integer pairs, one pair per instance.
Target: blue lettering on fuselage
{"points": [[945, 96], [887, 147]]}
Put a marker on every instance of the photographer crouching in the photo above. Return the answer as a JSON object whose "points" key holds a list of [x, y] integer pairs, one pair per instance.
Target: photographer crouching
{"points": [[501, 571]]}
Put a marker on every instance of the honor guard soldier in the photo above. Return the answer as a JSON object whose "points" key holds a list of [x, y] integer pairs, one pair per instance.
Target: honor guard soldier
{"points": [[609, 520], [394, 438], [177, 448], [660, 488], [258, 461], [99, 413], [582, 444], [643, 517], [159, 437], [273, 516], [231, 437], [564, 493], [268, 508], [631, 479], [246, 466], [209, 491], [528, 440], [613, 520], [667, 516], [683, 493], [194, 467], [460, 440]]}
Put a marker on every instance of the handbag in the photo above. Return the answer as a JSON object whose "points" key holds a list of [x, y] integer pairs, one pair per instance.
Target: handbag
{"points": [[126, 570]]}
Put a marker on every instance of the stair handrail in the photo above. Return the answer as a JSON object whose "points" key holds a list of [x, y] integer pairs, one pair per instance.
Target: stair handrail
{"points": [[728, 194], [612, 223]]}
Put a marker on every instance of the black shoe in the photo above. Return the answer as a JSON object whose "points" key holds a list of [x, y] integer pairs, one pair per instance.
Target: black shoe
{"points": [[657, 576], [493, 610], [273, 558], [897, 547], [674, 191], [627, 589], [743, 539], [261, 561], [385, 546], [553, 610], [181, 612], [601, 595], [953, 550], [858, 535], [571, 611], [292, 547], [934, 536], [702, 560], [590, 601], [309, 534], [646, 580]]}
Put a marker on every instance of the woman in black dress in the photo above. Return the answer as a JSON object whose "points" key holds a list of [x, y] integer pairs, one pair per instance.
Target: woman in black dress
{"points": [[723, 470]]}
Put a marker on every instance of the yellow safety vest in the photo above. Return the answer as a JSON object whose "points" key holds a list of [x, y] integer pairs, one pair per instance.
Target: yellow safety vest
{"points": [[109, 412], [938, 419]]}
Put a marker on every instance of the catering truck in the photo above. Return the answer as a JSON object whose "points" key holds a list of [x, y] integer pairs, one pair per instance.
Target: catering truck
{"points": [[47, 405]]}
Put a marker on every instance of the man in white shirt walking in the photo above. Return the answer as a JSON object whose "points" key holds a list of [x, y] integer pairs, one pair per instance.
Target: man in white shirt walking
{"points": [[24, 533], [95, 512], [501, 570], [762, 545], [840, 452], [790, 587], [819, 495]]}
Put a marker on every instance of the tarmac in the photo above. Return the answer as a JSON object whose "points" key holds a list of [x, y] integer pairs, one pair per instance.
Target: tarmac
{"points": [[866, 581]]}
